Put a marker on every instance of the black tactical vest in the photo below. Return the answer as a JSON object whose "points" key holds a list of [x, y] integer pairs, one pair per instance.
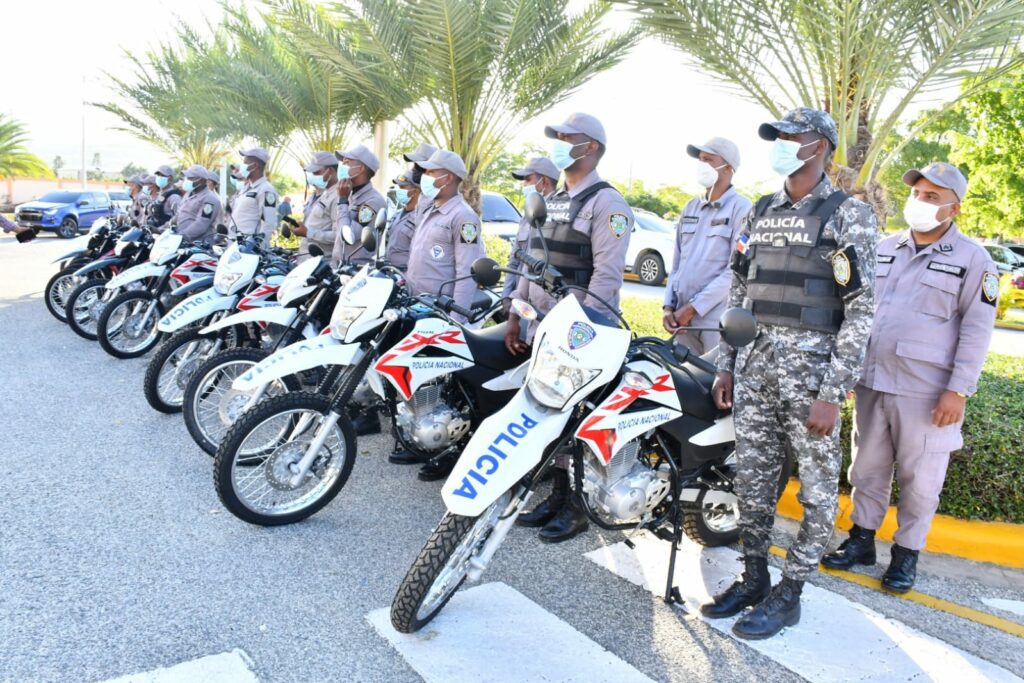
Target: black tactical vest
{"points": [[788, 264], [570, 250], [158, 215]]}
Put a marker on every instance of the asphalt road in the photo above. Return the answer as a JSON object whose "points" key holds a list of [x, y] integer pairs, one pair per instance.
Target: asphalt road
{"points": [[116, 556]]}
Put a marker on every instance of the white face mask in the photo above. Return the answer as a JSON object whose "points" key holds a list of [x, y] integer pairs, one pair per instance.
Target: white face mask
{"points": [[707, 175], [922, 216]]}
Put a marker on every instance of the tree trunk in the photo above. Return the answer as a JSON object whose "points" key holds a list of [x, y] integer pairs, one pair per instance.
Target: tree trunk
{"points": [[845, 177], [471, 190]]}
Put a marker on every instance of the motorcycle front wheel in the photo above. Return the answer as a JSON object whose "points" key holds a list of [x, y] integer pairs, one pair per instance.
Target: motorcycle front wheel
{"points": [[255, 464], [84, 306], [441, 566], [172, 367], [127, 328], [57, 291]]}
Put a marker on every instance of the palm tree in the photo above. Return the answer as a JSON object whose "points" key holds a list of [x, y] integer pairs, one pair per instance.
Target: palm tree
{"points": [[462, 74], [15, 160], [865, 61]]}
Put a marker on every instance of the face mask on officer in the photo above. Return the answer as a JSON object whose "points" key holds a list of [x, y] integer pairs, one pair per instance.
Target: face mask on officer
{"points": [[187, 185], [344, 171], [428, 188], [317, 181], [561, 153], [401, 197], [161, 181], [707, 175], [783, 156], [922, 216], [530, 189]]}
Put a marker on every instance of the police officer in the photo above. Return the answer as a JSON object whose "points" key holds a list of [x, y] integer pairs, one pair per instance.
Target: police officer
{"points": [[587, 233], [358, 202], [146, 196], [698, 288], [137, 211], [422, 153], [805, 266], [444, 246], [540, 175], [165, 204], [213, 182], [199, 211], [403, 223], [253, 209], [321, 211], [937, 291]]}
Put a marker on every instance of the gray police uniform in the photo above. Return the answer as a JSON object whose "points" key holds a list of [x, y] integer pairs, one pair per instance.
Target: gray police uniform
{"points": [[163, 208], [320, 216], [932, 328], [359, 209], [254, 209], [198, 213], [522, 241], [444, 247], [705, 236], [807, 270], [587, 232], [400, 234]]}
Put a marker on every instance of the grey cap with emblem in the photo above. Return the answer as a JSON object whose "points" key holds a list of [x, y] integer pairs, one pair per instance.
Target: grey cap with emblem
{"points": [[802, 120], [579, 123], [722, 147], [537, 165], [362, 154], [320, 161], [164, 170], [942, 174], [446, 160], [257, 153], [195, 171], [404, 179], [420, 154], [213, 175]]}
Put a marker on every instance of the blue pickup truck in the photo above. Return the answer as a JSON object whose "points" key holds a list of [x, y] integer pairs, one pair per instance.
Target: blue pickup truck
{"points": [[66, 212]]}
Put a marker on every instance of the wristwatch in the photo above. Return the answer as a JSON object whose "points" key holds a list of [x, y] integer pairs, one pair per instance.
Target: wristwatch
{"points": [[961, 394]]}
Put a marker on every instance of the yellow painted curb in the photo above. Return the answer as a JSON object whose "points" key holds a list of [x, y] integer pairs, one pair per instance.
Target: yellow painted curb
{"points": [[1009, 326], [997, 542]]}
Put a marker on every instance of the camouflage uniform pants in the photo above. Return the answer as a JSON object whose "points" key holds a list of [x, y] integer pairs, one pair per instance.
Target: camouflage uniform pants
{"points": [[772, 402]]}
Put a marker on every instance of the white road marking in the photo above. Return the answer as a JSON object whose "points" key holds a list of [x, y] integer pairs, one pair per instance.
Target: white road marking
{"points": [[494, 633], [875, 647], [227, 667], [1014, 606]]}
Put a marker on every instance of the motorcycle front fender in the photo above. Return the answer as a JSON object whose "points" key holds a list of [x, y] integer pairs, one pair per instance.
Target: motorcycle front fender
{"points": [[195, 308], [196, 284], [505, 446], [274, 315], [101, 264], [136, 273], [319, 351]]}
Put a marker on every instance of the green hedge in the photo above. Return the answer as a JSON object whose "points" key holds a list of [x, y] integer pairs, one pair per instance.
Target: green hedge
{"points": [[985, 480]]}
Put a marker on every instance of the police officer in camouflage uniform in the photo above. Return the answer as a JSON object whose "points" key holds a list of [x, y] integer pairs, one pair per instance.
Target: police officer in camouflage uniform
{"points": [[403, 224], [320, 215], [199, 211], [805, 266], [253, 208], [165, 204], [540, 175], [358, 202], [137, 211], [587, 232], [937, 291]]}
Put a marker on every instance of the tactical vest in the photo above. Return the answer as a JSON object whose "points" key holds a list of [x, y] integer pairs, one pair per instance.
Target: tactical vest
{"points": [[157, 214], [571, 252], [790, 276]]}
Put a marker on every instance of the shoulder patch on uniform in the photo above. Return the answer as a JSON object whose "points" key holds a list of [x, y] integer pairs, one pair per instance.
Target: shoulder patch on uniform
{"points": [[270, 199], [469, 232], [845, 270], [949, 268], [618, 223], [365, 214], [990, 288], [885, 258], [207, 209]]}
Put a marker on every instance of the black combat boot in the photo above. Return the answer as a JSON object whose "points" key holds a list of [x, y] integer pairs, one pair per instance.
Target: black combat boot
{"points": [[902, 571], [366, 423], [752, 588], [438, 467], [549, 507], [859, 548], [780, 609], [567, 523], [402, 456]]}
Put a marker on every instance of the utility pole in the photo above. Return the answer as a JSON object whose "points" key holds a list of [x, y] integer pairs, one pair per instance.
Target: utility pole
{"points": [[380, 147], [83, 134]]}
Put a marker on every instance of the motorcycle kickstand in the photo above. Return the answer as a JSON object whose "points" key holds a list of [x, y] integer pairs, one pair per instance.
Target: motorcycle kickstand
{"points": [[672, 594]]}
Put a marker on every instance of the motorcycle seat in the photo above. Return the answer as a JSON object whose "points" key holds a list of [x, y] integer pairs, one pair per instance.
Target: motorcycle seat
{"points": [[695, 397], [488, 348]]}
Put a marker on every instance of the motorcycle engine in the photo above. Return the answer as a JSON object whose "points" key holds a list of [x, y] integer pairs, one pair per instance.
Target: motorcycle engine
{"points": [[428, 421], [626, 488]]}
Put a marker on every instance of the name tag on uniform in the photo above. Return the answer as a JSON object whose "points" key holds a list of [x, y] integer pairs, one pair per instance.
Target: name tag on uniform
{"points": [[690, 219], [883, 258], [947, 268], [720, 221], [251, 194]]}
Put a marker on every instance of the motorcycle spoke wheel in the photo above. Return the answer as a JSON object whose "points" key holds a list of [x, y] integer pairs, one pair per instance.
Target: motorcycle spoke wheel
{"points": [[58, 289], [84, 307], [173, 366], [124, 327]]}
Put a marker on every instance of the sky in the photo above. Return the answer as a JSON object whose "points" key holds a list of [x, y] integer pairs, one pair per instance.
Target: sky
{"points": [[652, 105]]}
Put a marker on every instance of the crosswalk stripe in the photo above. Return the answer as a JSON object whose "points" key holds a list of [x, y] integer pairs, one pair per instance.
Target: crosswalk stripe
{"points": [[875, 647], [494, 633], [1013, 606], [226, 667]]}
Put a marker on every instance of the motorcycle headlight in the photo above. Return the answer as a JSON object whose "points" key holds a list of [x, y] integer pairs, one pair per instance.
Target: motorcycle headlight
{"points": [[223, 280], [552, 383], [342, 318]]}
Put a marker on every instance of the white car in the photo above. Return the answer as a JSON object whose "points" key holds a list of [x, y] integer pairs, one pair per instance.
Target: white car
{"points": [[651, 248], [499, 216]]}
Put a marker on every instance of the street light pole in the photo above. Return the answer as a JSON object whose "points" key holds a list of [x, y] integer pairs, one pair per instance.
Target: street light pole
{"points": [[83, 133]]}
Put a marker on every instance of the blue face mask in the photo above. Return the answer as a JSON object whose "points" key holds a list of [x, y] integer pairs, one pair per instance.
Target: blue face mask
{"points": [[561, 153], [428, 188], [317, 181], [528, 190], [783, 156], [344, 173], [188, 185], [161, 182], [401, 197]]}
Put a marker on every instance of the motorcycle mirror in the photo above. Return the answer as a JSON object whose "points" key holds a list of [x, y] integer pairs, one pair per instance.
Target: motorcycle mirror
{"points": [[315, 250], [536, 210], [369, 239], [348, 234], [381, 220], [222, 229], [485, 272], [738, 326], [286, 231], [524, 310]]}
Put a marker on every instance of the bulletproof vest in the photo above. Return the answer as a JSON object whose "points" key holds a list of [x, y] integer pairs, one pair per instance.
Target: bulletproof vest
{"points": [[158, 215], [790, 276], [570, 250]]}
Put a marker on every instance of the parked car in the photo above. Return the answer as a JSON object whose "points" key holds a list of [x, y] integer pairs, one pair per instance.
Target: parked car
{"points": [[1006, 260], [1017, 249], [120, 202], [499, 216], [65, 212], [651, 248]]}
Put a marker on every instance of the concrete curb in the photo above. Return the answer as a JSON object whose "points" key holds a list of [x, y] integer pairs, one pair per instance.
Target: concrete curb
{"points": [[996, 542], [1009, 326]]}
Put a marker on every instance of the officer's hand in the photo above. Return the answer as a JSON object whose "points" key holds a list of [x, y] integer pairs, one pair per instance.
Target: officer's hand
{"points": [[513, 343], [299, 229], [721, 390], [344, 188], [685, 315], [949, 410], [822, 419], [668, 321]]}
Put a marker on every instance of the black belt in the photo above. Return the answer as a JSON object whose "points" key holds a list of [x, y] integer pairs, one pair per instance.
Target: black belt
{"points": [[793, 279]]}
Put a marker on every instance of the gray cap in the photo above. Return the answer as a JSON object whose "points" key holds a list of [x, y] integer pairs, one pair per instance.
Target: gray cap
{"points": [[420, 154], [195, 171], [802, 120], [726, 149], [213, 175], [579, 123], [135, 179], [446, 160], [320, 161], [942, 174], [256, 152], [404, 178], [362, 154], [148, 180], [539, 165], [164, 170]]}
